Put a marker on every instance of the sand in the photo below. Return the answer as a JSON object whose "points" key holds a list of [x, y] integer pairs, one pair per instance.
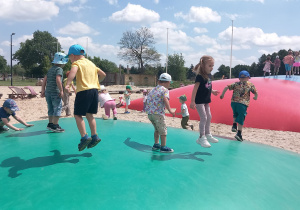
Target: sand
{"points": [[35, 109]]}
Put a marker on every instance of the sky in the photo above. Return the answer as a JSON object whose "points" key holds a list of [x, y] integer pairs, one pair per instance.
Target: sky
{"points": [[191, 27]]}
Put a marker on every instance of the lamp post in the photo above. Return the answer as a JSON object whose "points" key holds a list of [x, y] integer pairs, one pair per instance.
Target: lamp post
{"points": [[231, 50], [11, 76]]}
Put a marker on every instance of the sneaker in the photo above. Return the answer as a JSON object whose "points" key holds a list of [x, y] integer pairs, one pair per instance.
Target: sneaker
{"points": [[156, 147], [238, 137], [84, 141], [211, 139], [105, 117], [126, 112], [166, 149], [49, 126], [3, 129], [115, 118], [94, 142], [192, 127], [234, 128], [203, 142], [57, 129]]}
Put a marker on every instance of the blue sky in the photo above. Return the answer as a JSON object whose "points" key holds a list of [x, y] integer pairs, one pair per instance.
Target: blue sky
{"points": [[195, 27]]}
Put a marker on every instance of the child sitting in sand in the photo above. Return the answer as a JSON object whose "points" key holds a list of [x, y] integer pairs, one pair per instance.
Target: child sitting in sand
{"points": [[185, 113], [107, 102], [121, 102], [9, 108]]}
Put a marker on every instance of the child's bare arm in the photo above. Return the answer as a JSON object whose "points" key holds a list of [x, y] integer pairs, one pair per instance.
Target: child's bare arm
{"points": [[71, 75], [193, 104], [20, 120], [59, 85], [73, 87], [255, 96], [167, 104], [223, 93], [101, 75], [8, 124], [44, 86]]}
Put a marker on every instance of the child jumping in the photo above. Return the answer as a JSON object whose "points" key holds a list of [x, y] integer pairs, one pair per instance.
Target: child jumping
{"points": [[201, 97], [54, 91], [185, 113], [9, 108], [86, 101], [288, 61], [240, 101], [107, 102], [157, 101], [296, 65], [127, 94], [277, 63], [267, 67]]}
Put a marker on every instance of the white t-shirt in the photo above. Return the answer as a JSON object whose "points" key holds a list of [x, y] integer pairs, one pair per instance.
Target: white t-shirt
{"points": [[103, 97], [184, 110]]}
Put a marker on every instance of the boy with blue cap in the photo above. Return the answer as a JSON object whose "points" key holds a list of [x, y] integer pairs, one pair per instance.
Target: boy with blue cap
{"points": [[88, 76], [240, 101], [54, 91], [9, 108]]}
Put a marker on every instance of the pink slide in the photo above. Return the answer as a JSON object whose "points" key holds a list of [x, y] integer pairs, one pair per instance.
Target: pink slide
{"points": [[277, 106]]}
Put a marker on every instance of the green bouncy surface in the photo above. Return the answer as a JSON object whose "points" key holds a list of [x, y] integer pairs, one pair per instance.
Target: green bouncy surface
{"points": [[45, 170]]}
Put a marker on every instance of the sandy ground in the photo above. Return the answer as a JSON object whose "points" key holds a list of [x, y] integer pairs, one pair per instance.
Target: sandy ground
{"points": [[36, 109]]}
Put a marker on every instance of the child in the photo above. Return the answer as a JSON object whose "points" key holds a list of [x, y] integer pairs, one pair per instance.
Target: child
{"points": [[201, 97], [127, 94], [9, 108], [277, 63], [107, 102], [267, 67], [157, 100], [288, 61], [185, 113], [121, 102], [86, 101], [297, 62], [54, 91], [145, 93], [66, 97], [240, 101]]}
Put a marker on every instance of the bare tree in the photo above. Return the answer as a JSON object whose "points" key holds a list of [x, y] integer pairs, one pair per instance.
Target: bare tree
{"points": [[137, 47]]}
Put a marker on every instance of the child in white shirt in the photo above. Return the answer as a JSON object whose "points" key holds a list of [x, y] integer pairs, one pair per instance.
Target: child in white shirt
{"points": [[185, 113]]}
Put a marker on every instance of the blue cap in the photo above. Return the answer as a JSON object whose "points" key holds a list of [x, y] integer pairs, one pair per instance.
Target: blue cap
{"points": [[60, 58], [11, 104], [244, 74], [76, 49]]}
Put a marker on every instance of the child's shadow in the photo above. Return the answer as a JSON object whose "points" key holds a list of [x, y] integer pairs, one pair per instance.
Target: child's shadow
{"points": [[18, 164], [162, 157]]}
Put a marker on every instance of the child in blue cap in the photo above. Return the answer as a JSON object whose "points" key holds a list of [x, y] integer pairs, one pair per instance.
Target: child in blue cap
{"points": [[240, 101], [9, 108]]}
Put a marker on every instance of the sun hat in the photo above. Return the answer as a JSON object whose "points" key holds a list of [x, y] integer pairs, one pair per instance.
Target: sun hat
{"points": [[11, 104], [277, 56], [183, 98], [60, 58], [76, 49], [128, 87], [145, 91], [165, 77], [102, 87], [244, 74]]}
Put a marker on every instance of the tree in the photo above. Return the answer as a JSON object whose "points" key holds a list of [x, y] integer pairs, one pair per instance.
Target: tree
{"points": [[176, 67], [4, 69], [190, 74], [18, 70], [137, 48], [32, 52], [222, 70]]}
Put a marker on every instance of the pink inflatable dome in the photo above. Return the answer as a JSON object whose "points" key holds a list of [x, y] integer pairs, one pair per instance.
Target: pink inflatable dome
{"points": [[277, 106]]}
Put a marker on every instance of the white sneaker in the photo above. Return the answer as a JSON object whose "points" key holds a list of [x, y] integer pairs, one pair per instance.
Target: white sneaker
{"points": [[211, 139], [203, 142], [105, 117]]}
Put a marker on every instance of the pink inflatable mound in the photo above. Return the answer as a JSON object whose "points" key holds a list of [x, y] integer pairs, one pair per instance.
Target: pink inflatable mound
{"points": [[277, 106]]}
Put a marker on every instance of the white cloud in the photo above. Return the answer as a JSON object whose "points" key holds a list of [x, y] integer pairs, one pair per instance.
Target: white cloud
{"points": [[77, 29], [200, 30], [156, 1], [112, 2], [204, 40], [135, 13], [200, 15], [63, 1], [35, 10]]}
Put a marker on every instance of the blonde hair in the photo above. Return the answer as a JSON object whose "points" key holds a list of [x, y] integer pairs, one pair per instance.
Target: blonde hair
{"points": [[199, 69]]}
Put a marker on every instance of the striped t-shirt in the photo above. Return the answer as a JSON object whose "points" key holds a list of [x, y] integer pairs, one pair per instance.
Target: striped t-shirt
{"points": [[51, 86]]}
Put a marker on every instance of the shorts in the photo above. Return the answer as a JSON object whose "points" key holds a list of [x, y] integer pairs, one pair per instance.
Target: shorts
{"points": [[288, 67], [159, 123], [86, 102], [239, 112], [127, 100], [54, 103]]}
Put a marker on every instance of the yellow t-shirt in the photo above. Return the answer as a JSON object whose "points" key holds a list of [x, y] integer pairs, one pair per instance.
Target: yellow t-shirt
{"points": [[65, 83], [87, 75]]}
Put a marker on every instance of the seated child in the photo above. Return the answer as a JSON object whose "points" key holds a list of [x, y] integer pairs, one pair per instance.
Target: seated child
{"points": [[121, 103], [185, 113], [9, 108], [107, 102]]}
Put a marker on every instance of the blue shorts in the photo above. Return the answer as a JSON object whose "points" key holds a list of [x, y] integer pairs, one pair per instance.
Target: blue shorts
{"points": [[288, 67], [54, 103], [86, 102], [239, 112]]}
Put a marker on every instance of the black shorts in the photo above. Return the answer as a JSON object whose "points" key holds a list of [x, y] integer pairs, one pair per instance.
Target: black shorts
{"points": [[86, 102]]}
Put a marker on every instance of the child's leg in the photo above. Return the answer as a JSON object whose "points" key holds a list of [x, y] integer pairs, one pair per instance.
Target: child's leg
{"points": [[163, 140], [80, 125], [107, 109], [184, 122], [202, 113], [156, 137], [113, 108], [208, 119], [92, 123]]}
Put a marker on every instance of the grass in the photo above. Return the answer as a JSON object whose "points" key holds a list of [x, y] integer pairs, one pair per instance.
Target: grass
{"points": [[17, 81]]}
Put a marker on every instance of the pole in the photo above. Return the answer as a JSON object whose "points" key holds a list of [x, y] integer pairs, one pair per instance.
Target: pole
{"points": [[231, 50], [11, 73], [167, 49], [57, 46], [87, 45]]}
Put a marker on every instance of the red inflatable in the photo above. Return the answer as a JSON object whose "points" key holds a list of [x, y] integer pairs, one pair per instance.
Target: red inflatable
{"points": [[277, 106]]}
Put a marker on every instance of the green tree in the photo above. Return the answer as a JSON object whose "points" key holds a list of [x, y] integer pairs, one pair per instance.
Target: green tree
{"points": [[18, 70], [176, 67], [4, 69], [190, 74], [222, 70], [237, 69], [137, 48]]}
